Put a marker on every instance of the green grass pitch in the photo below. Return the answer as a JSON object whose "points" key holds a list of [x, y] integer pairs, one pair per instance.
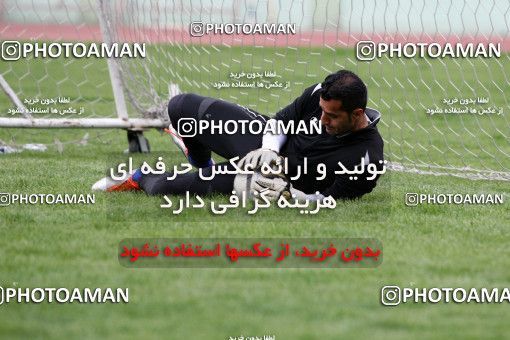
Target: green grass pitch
{"points": [[424, 246]]}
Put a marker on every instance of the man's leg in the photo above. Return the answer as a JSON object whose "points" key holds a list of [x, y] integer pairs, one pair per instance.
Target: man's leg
{"points": [[199, 149], [192, 106]]}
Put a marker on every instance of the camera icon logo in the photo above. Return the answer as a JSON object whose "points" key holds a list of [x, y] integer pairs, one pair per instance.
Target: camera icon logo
{"points": [[411, 199], [5, 199], [187, 127], [365, 50], [390, 295], [11, 50], [196, 29]]}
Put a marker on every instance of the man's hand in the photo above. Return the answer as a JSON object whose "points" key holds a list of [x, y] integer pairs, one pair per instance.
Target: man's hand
{"points": [[254, 159], [271, 187], [274, 187]]}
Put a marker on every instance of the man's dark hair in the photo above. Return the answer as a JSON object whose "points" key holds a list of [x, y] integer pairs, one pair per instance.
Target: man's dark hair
{"points": [[347, 87]]}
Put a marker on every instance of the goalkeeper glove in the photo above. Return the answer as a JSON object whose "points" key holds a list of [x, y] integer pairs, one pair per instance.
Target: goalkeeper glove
{"points": [[256, 158], [273, 188]]}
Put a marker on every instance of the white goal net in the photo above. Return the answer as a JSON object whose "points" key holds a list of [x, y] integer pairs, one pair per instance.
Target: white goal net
{"points": [[441, 114]]}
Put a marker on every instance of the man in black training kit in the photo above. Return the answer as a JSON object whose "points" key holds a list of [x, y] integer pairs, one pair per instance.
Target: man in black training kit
{"points": [[349, 135]]}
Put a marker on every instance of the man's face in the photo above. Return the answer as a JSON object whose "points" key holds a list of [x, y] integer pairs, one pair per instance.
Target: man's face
{"points": [[336, 120]]}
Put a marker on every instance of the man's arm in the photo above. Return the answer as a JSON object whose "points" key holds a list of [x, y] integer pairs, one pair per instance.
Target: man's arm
{"points": [[273, 141], [295, 110]]}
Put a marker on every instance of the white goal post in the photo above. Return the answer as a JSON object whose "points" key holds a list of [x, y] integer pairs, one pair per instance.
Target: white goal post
{"points": [[104, 17]]}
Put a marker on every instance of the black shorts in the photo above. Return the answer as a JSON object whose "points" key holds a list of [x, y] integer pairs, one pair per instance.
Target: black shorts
{"points": [[200, 146]]}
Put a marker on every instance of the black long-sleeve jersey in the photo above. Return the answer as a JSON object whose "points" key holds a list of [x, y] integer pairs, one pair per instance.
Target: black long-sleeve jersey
{"points": [[349, 149]]}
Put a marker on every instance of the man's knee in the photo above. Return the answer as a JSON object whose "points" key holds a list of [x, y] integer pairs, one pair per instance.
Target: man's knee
{"points": [[175, 107]]}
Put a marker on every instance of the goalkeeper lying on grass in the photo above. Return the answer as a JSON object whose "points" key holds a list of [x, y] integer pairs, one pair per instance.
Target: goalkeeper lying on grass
{"points": [[349, 135]]}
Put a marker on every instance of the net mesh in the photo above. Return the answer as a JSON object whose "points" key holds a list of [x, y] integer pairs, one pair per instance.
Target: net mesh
{"points": [[405, 90]]}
